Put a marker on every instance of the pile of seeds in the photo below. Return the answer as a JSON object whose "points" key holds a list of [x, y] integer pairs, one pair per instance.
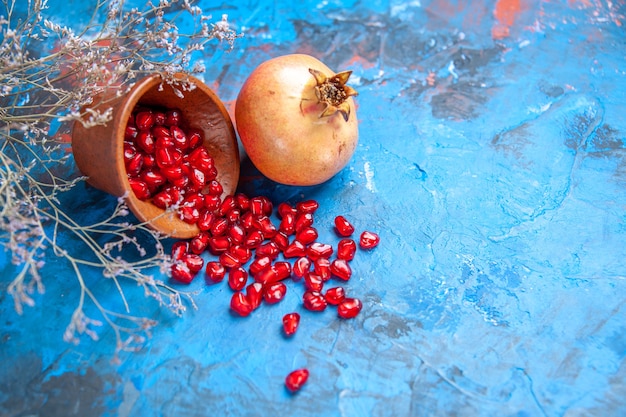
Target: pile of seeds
{"points": [[169, 165]]}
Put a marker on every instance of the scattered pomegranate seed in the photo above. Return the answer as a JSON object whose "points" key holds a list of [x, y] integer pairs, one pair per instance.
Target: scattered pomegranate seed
{"points": [[307, 206], [237, 278], [181, 272], [295, 250], [307, 235], [369, 240], [313, 282], [319, 250], [240, 304], [314, 301], [301, 267], [349, 308], [343, 226], [194, 262], [335, 295], [275, 292], [291, 322], [144, 120], [254, 293], [346, 249], [215, 271], [296, 379], [321, 266], [341, 269]]}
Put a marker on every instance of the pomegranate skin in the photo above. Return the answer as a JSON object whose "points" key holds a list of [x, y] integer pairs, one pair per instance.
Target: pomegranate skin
{"points": [[277, 115]]}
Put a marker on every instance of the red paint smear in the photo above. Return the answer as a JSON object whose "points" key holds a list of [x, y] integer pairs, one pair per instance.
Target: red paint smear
{"points": [[505, 13]]}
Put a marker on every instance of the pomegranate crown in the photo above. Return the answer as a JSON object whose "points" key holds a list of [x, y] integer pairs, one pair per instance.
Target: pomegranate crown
{"points": [[333, 92]]}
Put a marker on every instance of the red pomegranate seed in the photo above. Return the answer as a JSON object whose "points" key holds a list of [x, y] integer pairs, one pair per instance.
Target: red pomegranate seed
{"points": [[369, 240], [194, 262], [163, 141], [180, 138], [212, 202], [295, 250], [266, 276], [265, 225], [160, 132], [319, 250], [153, 179], [283, 270], [179, 248], [159, 118], [237, 278], [303, 220], [254, 239], [285, 208], [173, 173], [228, 260], [130, 133], [269, 249], [308, 206], [243, 202], [266, 205], [321, 266], [256, 206], [129, 152], [313, 282], [335, 295], [149, 161], [200, 158], [134, 166], [291, 321], [233, 216], [349, 308], [172, 117], [236, 233], [144, 120], [288, 223], [181, 273], [206, 220], [307, 235], [140, 188], [227, 205], [145, 141], [199, 243], [195, 138], [194, 200], [314, 301], [240, 304], [219, 226], [215, 271], [218, 244], [189, 214], [301, 267], [296, 379], [346, 248], [197, 177], [260, 264], [274, 292], [281, 240], [168, 156], [343, 227], [242, 253], [215, 188], [166, 198], [254, 293], [341, 269]]}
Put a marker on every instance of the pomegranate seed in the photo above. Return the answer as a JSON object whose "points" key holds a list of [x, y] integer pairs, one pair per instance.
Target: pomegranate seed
{"points": [[215, 271], [149, 161], [180, 138], [296, 379], [130, 132], [254, 239], [265, 225], [303, 220], [199, 243], [308, 206], [242, 253], [288, 223], [240, 304], [144, 120], [236, 233], [173, 173], [369, 240], [233, 216], [295, 250], [163, 141], [281, 240], [247, 220], [349, 308], [283, 270], [172, 117], [181, 273], [314, 301], [134, 166], [129, 152], [335, 295], [200, 158], [343, 226], [307, 235], [227, 205], [256, 206], [321, 266], [269, 249], [160, 132], [179, 248], [194, 262], [153, 179], [219, 226], [167, 197], [301, 267], [266, 276], [346, 248], [197, 177], [212, 202], [275, 292], [195, 138], [285, 208], [228, 260], [254, 294], [243, 202], [259, 264], [319, 250], [167, 156], [189, 214], [291, 321], [159, 118], [237, 278], [341, 269], [206, 220], [313, 282], [215, 188], [140, 188], [145, 141], [194, 200], [218, 244]]}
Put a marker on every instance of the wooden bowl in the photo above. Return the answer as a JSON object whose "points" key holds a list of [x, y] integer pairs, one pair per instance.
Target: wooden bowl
{"points": [[98, 150]]}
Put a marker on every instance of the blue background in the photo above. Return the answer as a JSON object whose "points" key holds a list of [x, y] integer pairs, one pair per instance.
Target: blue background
{"points": [[491, 162]]}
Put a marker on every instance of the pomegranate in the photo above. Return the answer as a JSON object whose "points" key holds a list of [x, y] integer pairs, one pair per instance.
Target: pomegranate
{"points": [[296, 119], [296, 379]]}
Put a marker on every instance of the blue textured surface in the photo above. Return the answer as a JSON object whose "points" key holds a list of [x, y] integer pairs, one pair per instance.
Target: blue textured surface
{"points": [[491, 161]]}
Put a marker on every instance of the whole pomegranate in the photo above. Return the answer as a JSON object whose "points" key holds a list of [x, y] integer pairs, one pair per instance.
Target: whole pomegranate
{"points": [[296, 119]]}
